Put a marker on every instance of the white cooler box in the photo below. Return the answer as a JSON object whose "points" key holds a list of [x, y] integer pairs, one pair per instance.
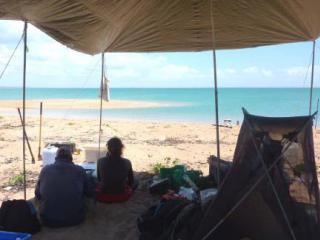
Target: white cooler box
{"points": [[91, 154], [49, 155]]}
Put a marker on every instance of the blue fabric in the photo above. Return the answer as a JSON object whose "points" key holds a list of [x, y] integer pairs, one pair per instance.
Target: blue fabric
{"points": [[61, 189], [32, 208]]}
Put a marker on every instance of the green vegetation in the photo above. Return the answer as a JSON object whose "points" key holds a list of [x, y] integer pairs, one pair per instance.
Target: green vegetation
{"points": [[156, 168], [71, 123], [171, 162], [168, 162], [16, 180]]}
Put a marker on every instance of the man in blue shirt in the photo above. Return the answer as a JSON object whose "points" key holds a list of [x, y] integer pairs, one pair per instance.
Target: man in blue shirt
{"points": [[61, 190]]}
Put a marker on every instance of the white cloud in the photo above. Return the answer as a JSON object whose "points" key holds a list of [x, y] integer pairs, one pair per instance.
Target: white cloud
{"points": [[53, 65], [177, 71], [303, 72], [254, 70], [49, 63], [297, 71], [251, 69], [266, 73]]}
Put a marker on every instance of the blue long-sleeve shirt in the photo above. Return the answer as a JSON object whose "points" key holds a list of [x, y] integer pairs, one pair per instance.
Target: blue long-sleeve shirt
{"points": [[61, 189]]}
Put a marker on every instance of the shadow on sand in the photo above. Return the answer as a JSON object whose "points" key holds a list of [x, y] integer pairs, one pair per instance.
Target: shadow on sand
{"points": [[107, 221]]}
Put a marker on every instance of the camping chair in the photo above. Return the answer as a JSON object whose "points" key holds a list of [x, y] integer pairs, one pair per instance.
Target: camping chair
{"points": [[272, 189]]}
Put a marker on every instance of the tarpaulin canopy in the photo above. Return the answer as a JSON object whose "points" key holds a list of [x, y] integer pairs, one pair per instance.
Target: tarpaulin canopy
{"points": [[93, 26]]}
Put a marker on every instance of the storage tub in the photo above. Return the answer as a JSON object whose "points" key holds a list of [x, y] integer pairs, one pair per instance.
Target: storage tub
{"points": [[14, 236], [49, 155]]}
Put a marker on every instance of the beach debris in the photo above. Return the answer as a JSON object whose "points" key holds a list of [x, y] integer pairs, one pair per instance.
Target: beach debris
{"points": [[227, 122], [8, 188]]}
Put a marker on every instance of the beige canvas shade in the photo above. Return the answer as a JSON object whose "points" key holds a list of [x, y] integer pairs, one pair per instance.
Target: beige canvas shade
{"points": [[93, 26]]}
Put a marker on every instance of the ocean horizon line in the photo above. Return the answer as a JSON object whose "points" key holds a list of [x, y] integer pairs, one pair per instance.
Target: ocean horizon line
{"points": [[250, 87]]}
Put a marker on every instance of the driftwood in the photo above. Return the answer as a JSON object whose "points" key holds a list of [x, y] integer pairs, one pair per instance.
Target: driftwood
{"points": [[27, 139]]}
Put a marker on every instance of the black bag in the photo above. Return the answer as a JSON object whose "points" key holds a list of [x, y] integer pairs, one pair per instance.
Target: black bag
{"points": [[19, 216], [156, 220], [186, 222], [160, 187]]}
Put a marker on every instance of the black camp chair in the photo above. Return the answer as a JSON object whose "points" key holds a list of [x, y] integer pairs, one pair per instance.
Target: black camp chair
{"points": [[272, 190]]}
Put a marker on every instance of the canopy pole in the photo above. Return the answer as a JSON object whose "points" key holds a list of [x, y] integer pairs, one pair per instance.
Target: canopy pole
{"points": [[101, 93], [312, 75], [40, 133], [24, 109], [216, 98]]}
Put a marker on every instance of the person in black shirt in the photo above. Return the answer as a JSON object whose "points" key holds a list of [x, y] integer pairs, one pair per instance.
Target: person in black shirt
{"points": [[114, 172]]}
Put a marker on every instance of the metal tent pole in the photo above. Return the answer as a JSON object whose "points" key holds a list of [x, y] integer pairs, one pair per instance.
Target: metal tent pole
{"points": [[40, 133], [24, 110], [216, 98], [216, 101], [316, 117], [101, 93], [312, 75]]}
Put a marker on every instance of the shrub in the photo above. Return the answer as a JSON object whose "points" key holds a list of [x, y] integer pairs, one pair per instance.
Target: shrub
{"points": [[16, 180]]}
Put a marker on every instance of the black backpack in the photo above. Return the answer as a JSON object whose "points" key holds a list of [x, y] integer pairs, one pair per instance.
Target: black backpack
{"points": [[156, 222], [186, 222], [19, 216]]}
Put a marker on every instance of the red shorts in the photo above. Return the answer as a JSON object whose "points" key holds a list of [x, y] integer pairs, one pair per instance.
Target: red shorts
{"points": [[114, 198]]}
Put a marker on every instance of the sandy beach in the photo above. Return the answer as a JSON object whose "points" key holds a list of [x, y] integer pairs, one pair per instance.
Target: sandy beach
{"points": [[147, 144]]}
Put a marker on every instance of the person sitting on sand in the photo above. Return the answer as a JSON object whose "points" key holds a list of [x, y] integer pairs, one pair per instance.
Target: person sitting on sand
{"points": [[61, 190], [115, 174]]}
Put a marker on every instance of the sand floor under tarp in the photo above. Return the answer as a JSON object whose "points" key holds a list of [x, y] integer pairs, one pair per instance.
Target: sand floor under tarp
{"points": [[105, 221]]}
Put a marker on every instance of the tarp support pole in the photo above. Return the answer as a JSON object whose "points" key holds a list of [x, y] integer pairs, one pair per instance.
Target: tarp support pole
{"points": [[40, 133], [101, 93], [216, 101], [216, 98], [312, 75], [316, 118], [24, 109]]}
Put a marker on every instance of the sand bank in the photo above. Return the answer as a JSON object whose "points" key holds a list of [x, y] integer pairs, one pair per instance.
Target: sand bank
{"points": [[81, 104]]}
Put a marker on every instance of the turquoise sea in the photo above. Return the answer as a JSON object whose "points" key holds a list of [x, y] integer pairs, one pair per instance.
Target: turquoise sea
{"points": [[189, 105]]}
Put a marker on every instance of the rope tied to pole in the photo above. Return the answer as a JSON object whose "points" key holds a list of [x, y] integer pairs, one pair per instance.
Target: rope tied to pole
{"points": [[11, 56]]}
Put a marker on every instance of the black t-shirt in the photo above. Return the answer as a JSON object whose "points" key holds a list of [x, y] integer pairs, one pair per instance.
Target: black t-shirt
{"points": [[114, 174]]}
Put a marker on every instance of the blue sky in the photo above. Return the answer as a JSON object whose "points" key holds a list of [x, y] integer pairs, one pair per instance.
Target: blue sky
{"points": [[51, 64]]}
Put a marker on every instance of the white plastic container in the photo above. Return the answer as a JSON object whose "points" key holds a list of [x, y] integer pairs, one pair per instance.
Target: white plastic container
{"points": [[49, 155], [91, 154]]}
